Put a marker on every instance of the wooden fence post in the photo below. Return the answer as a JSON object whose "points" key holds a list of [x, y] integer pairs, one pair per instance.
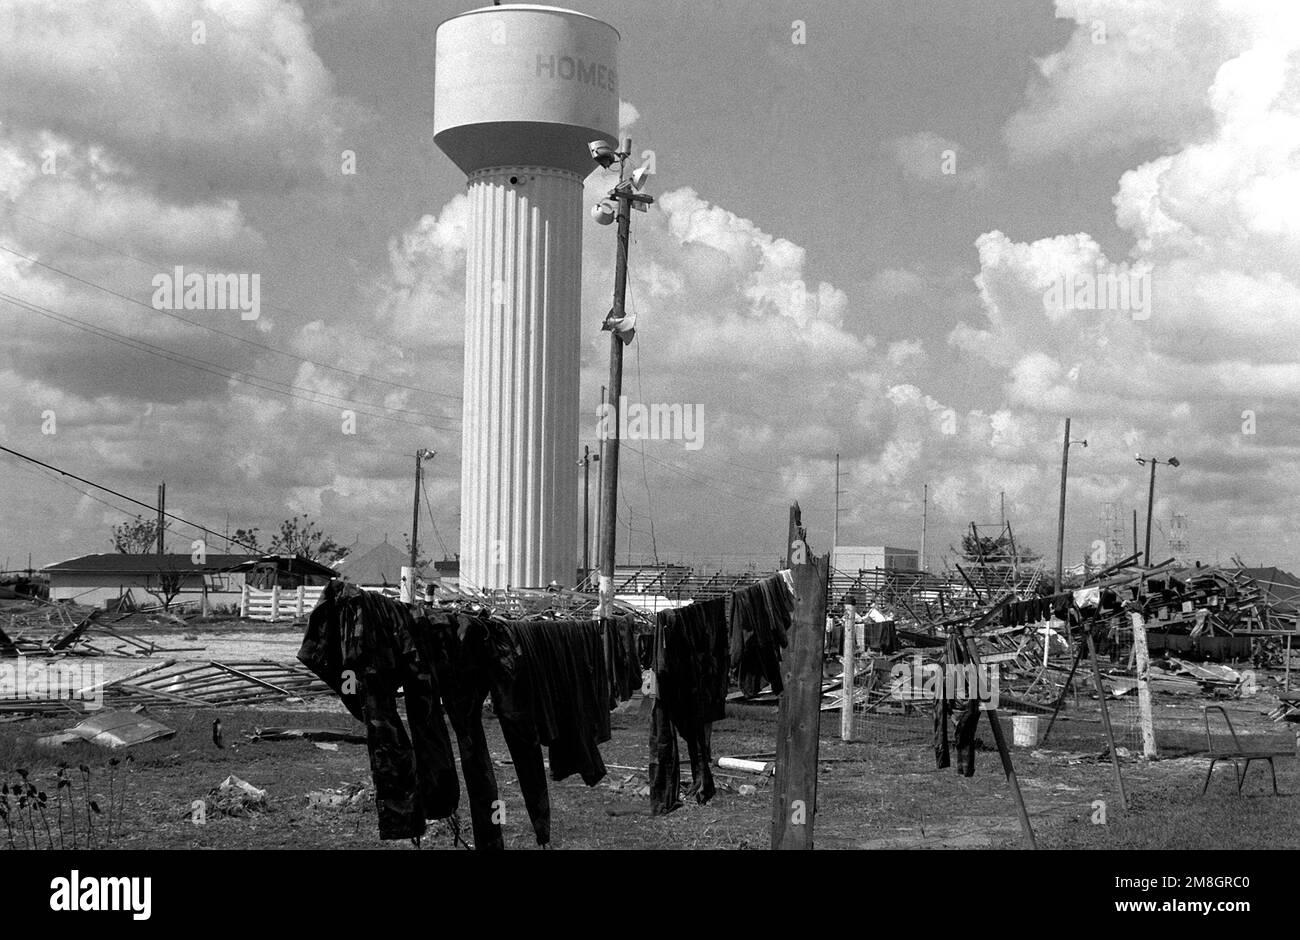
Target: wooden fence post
{"points": [[794, 790], [302, 598], [849, 672], [1143, 661], [275, 604], [243, 602]]}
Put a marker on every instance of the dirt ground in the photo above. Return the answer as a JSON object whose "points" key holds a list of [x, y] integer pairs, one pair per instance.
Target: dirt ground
{"points": [[879, 791]]}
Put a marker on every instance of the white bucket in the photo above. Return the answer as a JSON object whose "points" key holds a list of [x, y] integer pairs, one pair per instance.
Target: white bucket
{"points": [[1024, 730]]}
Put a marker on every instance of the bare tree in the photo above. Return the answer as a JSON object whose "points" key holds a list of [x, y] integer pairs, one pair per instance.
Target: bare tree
{"points": [[166, 587], [137, 537], [249, 540]]}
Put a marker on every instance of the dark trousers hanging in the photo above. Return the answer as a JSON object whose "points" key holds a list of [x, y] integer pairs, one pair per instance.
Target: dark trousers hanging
{"points": [[967, 715], [665, 773], [364, 648], [475, 660], [965, 711], [665, 762]]}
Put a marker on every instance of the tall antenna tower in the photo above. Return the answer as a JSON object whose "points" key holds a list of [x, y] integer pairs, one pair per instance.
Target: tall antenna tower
{"points": [[1112, 531], [1180, 544]]}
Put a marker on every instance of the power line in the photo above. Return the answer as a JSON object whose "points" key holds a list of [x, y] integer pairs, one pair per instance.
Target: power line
{"points": [[429, 510], [130, 499], [209, 367], [204, 326]]}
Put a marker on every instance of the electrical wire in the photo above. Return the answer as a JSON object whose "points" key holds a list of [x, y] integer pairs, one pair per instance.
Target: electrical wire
{"points": [[130, 499], [205, 366], [203, 326], [429, 510]]}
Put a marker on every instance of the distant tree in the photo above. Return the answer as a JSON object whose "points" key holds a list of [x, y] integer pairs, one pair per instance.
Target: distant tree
{"points": [[165, 586], [301, 536], [420, 560], [138, 537], [249, 540]]}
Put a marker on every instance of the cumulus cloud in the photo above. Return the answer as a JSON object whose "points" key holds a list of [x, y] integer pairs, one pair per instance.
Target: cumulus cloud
{"points": [[125, 78], [1130, 73], [1219, 85]]}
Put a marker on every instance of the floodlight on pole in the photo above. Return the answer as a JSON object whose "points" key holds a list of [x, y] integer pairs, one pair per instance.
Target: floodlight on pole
{"points": [[1151, 496], [622, 328]]}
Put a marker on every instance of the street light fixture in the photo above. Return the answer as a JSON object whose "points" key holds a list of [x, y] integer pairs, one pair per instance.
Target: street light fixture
{"points": [[1151, 496]]}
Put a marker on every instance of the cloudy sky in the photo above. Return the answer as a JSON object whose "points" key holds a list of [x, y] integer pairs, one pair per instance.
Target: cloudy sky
{"points": [[863, 211]]}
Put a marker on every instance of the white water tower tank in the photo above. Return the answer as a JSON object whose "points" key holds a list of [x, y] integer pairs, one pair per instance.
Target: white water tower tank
{"points": [[519, 92]]}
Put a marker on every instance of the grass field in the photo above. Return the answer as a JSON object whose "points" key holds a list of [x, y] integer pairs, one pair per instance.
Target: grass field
{"points": [[880, 791]]}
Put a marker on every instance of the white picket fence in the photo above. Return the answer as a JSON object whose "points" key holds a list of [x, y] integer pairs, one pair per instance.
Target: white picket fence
{"points": [[276, 604]]}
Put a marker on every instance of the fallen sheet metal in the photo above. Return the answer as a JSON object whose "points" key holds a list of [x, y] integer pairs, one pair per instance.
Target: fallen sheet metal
{"points": [[113, 729]]}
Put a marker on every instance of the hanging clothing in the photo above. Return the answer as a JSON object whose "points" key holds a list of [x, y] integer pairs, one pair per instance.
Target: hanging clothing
{"points": [[624, 659], [966, 712], [475, 657], [882, 635], [365, 647], [692, 655], [570, 691], [761, 615]]}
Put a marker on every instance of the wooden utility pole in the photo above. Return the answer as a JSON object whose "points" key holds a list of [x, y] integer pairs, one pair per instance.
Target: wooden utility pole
{"points": [[1135, 531], [420, 456], [925, 511], [1143, 658], [1151, 496], [162, 513], [794, 788], [1060, 515], [586, 460], [600, 489], [625, 195], [835, 534]]}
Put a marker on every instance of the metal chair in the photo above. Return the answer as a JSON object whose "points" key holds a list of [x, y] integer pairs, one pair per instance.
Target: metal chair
{"points": [[1239, 757]]}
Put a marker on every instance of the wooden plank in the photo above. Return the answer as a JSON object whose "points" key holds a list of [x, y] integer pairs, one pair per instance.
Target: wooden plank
{"points": [[794, 791], [1105, 720]]}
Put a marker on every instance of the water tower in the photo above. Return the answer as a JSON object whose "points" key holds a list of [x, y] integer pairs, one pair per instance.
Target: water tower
{"points": [[519, 93]]}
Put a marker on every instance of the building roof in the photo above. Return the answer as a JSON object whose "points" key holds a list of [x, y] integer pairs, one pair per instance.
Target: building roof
{"points": [[381, 565], [292, 564], [151, 562], [119, 563]]}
